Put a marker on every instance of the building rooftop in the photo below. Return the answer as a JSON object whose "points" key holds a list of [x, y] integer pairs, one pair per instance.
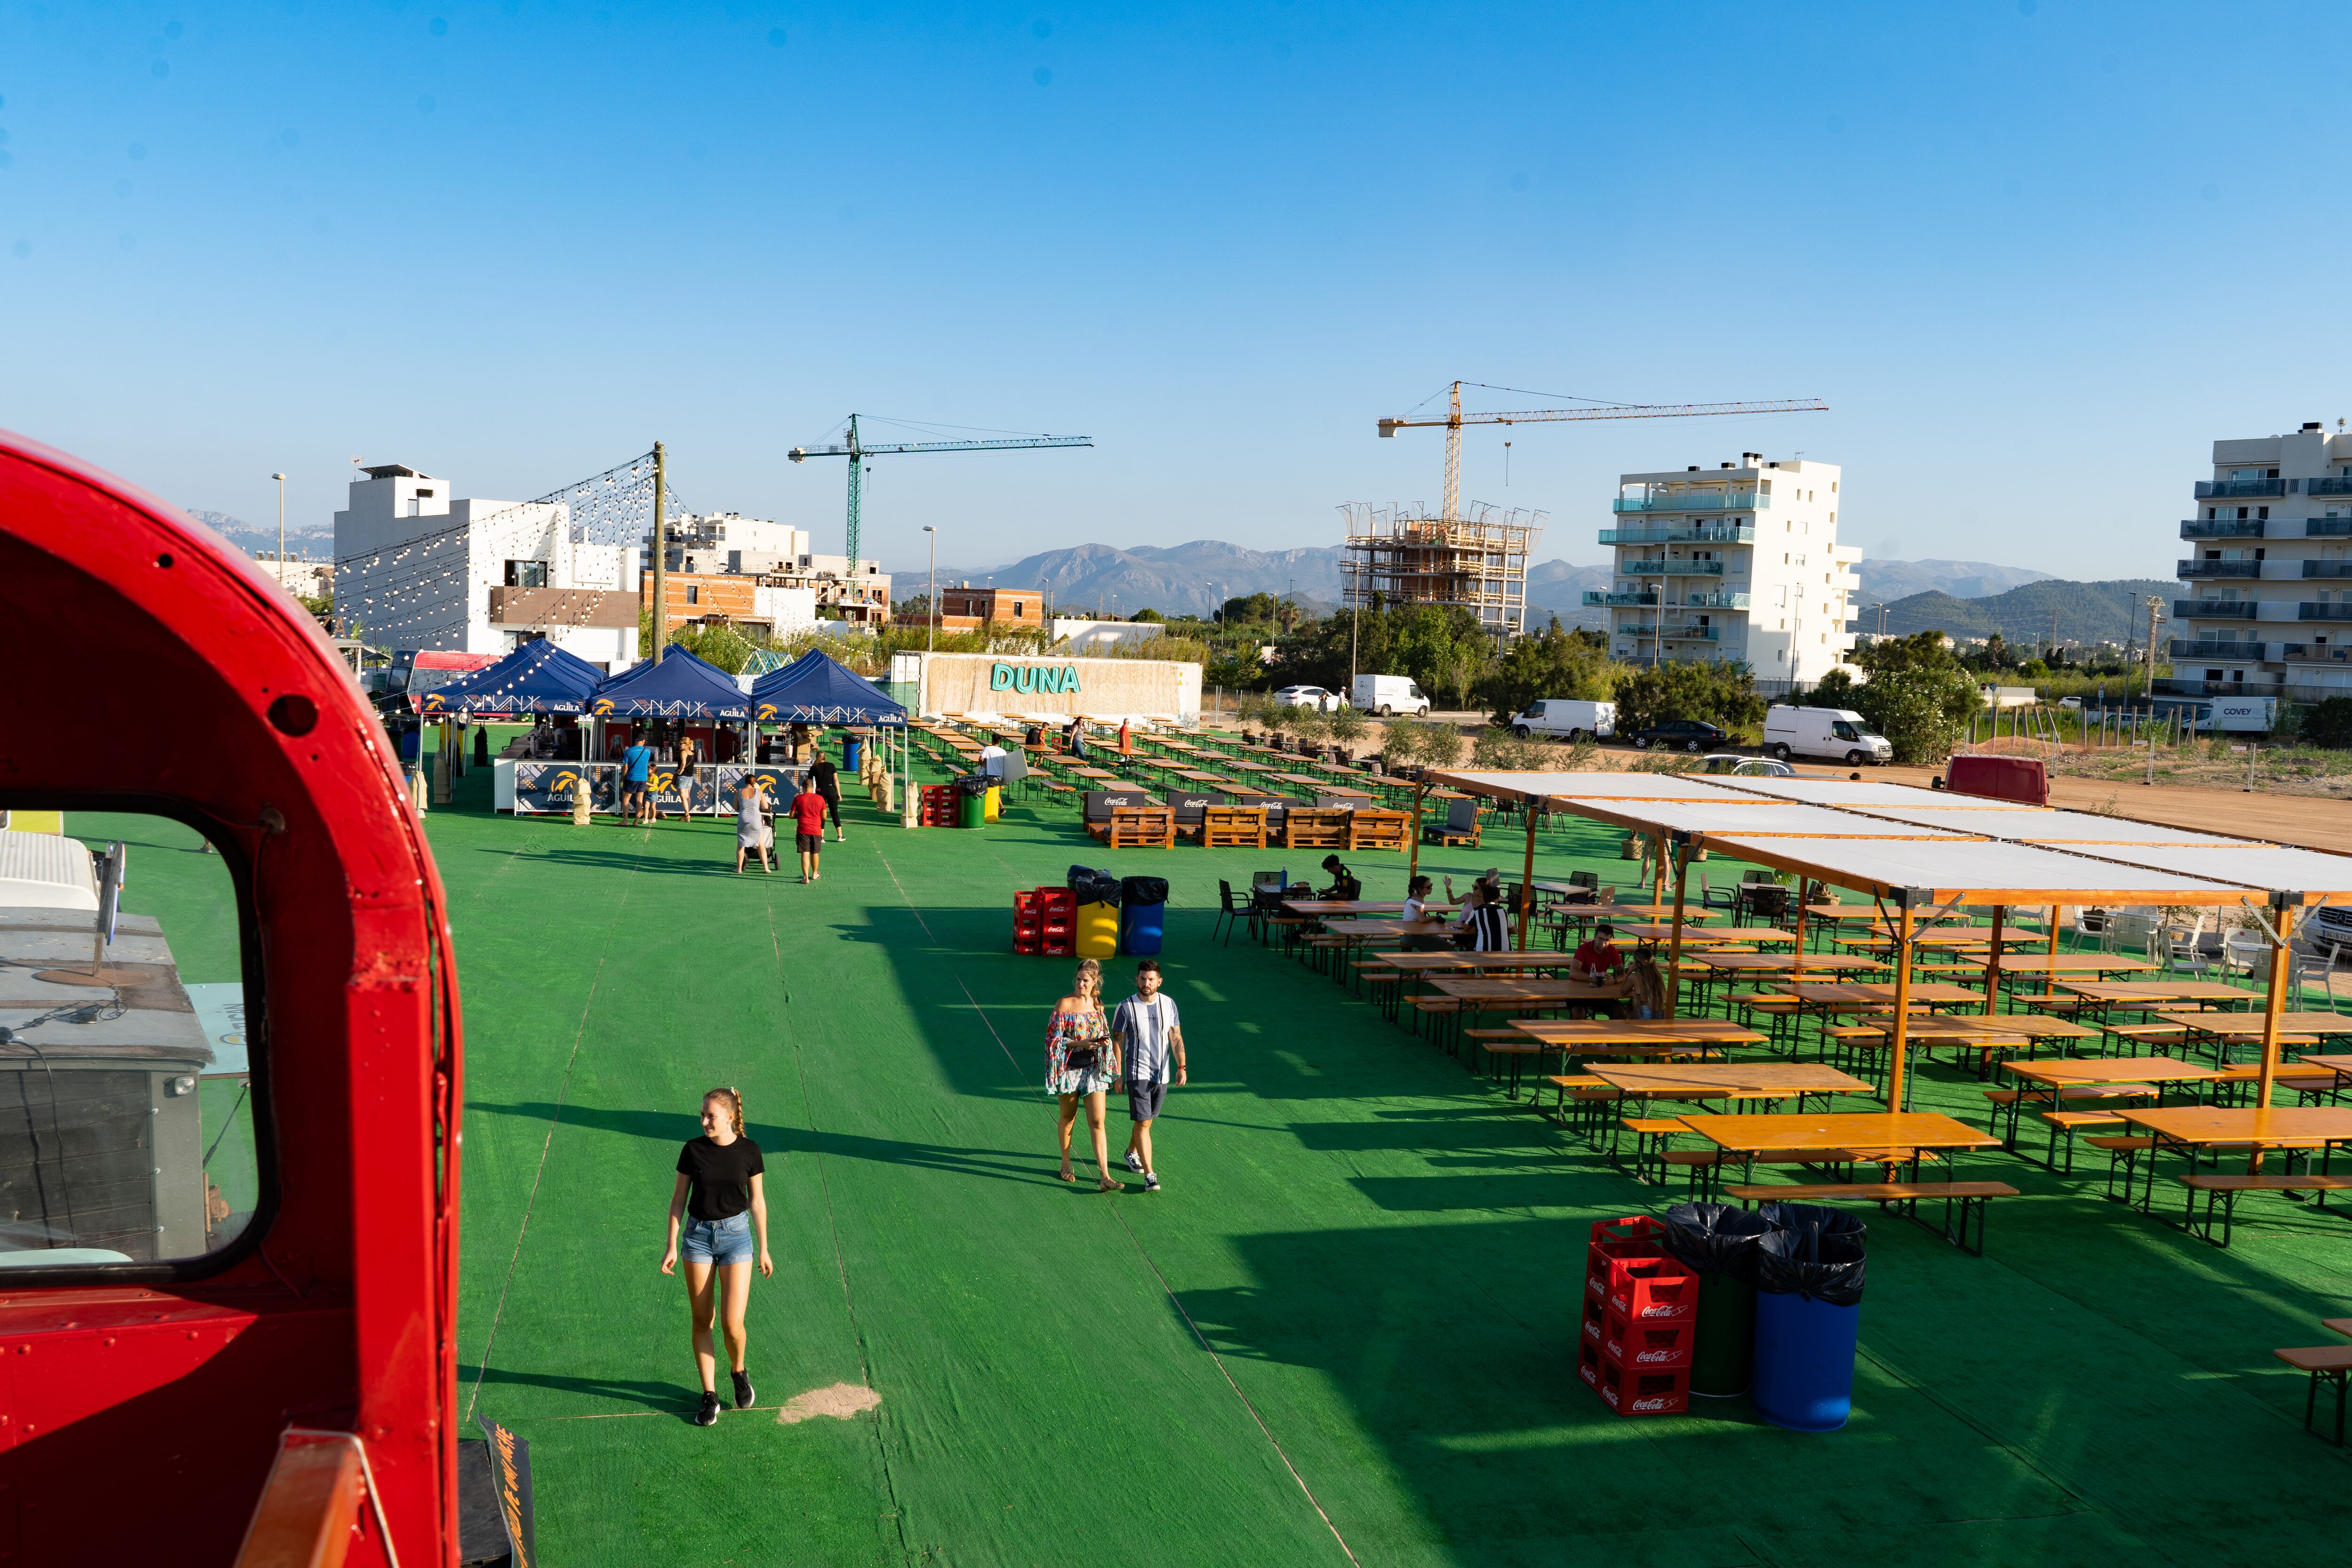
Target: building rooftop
{"points": [[394, 471]]}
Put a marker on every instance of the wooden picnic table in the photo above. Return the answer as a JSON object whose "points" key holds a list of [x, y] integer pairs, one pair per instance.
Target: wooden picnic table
{"points": [[1729, 1079], [1324, 908], [1195, 776], [1833, 1133], [2128, 992], [1876, 994], [1242, 767], [1091, 773], [2064, 962], [1727, 936], [1777, 963], [2236, 1029], [1643, 1031], [2190, 1129], [1430, 962], [1506, 993]]}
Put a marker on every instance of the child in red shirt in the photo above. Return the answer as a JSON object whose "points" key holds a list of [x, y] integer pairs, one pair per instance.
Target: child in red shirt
{"points": [[808, 819]]}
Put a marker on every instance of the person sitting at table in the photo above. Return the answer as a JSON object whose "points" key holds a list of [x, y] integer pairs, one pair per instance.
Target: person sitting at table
{"points": [[1484, 925], [1645, 997], [1597, 956], [1416, 912], [1344, 888]]}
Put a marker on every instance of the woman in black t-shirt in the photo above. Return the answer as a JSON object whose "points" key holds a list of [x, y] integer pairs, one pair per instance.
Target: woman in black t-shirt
{"points": [[720, 1193]]}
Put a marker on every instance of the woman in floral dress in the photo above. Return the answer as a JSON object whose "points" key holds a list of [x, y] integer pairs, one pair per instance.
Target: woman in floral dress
{"points": [[1081, 1064]]}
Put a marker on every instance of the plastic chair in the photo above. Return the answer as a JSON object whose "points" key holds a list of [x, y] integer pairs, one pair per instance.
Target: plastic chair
{"points": [[2246, 952], [1708, 898], [2181, 950], [1232, 912]]}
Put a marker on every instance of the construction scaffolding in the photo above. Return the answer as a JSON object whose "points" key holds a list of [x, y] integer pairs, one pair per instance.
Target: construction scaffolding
{"points": [[1477, 561]]}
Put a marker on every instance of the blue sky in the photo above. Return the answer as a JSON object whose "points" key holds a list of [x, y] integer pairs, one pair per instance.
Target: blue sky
{"points": [[2036, 253]]}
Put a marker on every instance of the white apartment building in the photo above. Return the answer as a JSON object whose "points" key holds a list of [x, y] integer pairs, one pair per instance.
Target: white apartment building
{"points": [[416, 567], [778, 555], [2269, 573], [1739, 563]]}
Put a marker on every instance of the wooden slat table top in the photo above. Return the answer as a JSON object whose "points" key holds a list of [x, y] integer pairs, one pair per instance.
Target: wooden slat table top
{"points": [[1433, 963], [1876, 991], [2113, 1069], [2064, 962], [1252, 767], [1729, 1077], [1485, 988], [1350, 907], [1842, 1129], [1370, 928], [2158, 991], [1641, 1031], [1728, 936], [1930, 1027], [1091, 773], [1196, 776], [2244, 1123], [2339, 1064], [2241, 1026], [1777, 962]]}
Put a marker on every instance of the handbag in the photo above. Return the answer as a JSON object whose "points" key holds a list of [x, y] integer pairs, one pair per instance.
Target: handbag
{"points": [[1083, 1058]]}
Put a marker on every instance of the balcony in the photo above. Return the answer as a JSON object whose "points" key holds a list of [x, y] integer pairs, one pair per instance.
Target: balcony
{"points": [[1695, 500], [2189, 651], [1674, 634], [2243, 566], [2215, 609], [2315, 653], [2327, 568], [2335, 487], [1699, 533], [1594, 599], [2223, 528], [2167, 688], [1661, 568], [2328, 612], [2326, 527], [2239, 490], [1717, 601]]}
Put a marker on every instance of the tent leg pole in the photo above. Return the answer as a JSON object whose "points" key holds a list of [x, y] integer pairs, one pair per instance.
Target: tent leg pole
{"points": [[1675, 951], [1992, 961], [1899, 1036]]}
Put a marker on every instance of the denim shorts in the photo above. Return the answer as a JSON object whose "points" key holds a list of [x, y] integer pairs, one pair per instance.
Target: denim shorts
{"points": [[717, 1241]]}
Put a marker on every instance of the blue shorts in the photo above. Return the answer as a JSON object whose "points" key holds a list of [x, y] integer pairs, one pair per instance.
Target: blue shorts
{"points": [[720, 1241]]}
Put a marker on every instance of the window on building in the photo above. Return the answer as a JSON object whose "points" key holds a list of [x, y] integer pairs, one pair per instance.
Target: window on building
{"points": [[694, 593], [526, 574]]}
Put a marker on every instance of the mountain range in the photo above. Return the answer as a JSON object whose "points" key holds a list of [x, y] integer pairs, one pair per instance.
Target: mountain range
{"points": [[302, 544], [1195, 578], [2114, 611]]}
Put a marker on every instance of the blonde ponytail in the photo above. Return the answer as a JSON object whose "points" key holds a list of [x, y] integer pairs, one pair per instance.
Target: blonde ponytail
{"points": [[733, 1099]]}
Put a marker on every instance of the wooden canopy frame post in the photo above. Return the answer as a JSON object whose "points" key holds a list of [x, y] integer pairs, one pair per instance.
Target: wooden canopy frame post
{"points": [[2282, 906], [1992, 961], [1413, 859], [1528, 871], [1682, 844], [1899, 1036]]}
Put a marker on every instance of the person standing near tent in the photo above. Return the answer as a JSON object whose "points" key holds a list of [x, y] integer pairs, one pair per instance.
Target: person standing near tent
{"points": [[718, 1209], [808, 819], [684, 774], [637, 785], [826, 779]]}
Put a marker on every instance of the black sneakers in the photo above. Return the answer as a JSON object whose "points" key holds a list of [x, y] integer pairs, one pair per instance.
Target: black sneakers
{"points": [[742, 1391], [707, 1415]]}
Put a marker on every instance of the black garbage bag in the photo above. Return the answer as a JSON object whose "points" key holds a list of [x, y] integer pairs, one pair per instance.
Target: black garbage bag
{"points": [[1817, 1264], [1094, 887], [1143, 889], [1827, 1220], [1715, 1238], [973, 783]]}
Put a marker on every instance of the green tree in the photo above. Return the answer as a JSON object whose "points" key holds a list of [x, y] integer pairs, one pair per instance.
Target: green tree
{"points": [[1431, 645], [1146, 615], [1921, 710], [1713, 693], [1549, 663], [2328, 723]]}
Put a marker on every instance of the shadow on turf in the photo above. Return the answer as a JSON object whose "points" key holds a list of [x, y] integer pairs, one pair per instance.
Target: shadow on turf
{"points": [[677, 1127], [670, 1396]]}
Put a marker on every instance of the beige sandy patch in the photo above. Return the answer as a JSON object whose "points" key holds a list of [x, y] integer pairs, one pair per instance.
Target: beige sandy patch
{"points": [[841, 1402]]}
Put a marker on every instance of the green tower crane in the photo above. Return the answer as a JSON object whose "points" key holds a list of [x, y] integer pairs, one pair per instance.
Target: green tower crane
{"points": [[858, 451]]}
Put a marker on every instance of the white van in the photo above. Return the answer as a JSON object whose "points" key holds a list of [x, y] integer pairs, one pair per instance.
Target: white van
{"points": [[1839, 734], [1568, 719], [1387, 694]]}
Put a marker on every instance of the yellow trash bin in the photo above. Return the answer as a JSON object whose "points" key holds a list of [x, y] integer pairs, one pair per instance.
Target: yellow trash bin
{"points": [[1097, 933], [995, 803]]}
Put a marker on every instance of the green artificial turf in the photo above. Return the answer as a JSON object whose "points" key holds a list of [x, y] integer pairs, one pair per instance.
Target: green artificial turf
{"points": [[1350, 1318]]}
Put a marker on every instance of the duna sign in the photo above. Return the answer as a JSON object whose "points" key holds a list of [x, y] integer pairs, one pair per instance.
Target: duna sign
{"points": [[1032, 679]]}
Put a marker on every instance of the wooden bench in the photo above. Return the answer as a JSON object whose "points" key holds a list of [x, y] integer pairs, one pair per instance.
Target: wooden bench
{"points": [[1142, 827], [1370, 828], [2333, 1363], [2224, 1191], [1315, 827], [1971, 1197], [2070, 1122]]}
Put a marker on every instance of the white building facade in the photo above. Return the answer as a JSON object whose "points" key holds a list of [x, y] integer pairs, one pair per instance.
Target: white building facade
{"points": [[2266, 608], [1737, 563], [416, 567]]}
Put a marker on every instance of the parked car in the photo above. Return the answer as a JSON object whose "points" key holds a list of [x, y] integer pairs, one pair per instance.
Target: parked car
{"points": [[1839, 734], [1387, 694], [1751, 767], [1308, 696], [1694, 735], [2073, 702], [1568, 719]]}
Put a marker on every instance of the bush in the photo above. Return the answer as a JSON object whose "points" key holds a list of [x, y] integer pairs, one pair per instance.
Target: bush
{"points": [[1549, 663], [1497, 748], [2327, 723], [1346, 726], [1721, 694], [1920, 708], [1422, 742]]}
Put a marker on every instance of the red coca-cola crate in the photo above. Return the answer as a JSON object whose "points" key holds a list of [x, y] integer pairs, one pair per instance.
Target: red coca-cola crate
{"points": [[1635, 1235], [1660, 1345], [1633, 1390], [1645, 1290]]}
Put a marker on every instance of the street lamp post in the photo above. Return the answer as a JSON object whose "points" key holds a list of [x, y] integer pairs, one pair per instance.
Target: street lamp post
{"points": [[281, 525], [931, 632]]}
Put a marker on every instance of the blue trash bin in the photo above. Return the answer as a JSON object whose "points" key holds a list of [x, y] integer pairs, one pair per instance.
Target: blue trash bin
{"points": [[1142, 915], [1808, 1280], [850, 748]]}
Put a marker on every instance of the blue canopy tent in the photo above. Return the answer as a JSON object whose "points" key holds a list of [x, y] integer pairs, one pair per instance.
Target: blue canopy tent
{"points": [[679, 687], [817, 689], [537, 678]]}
